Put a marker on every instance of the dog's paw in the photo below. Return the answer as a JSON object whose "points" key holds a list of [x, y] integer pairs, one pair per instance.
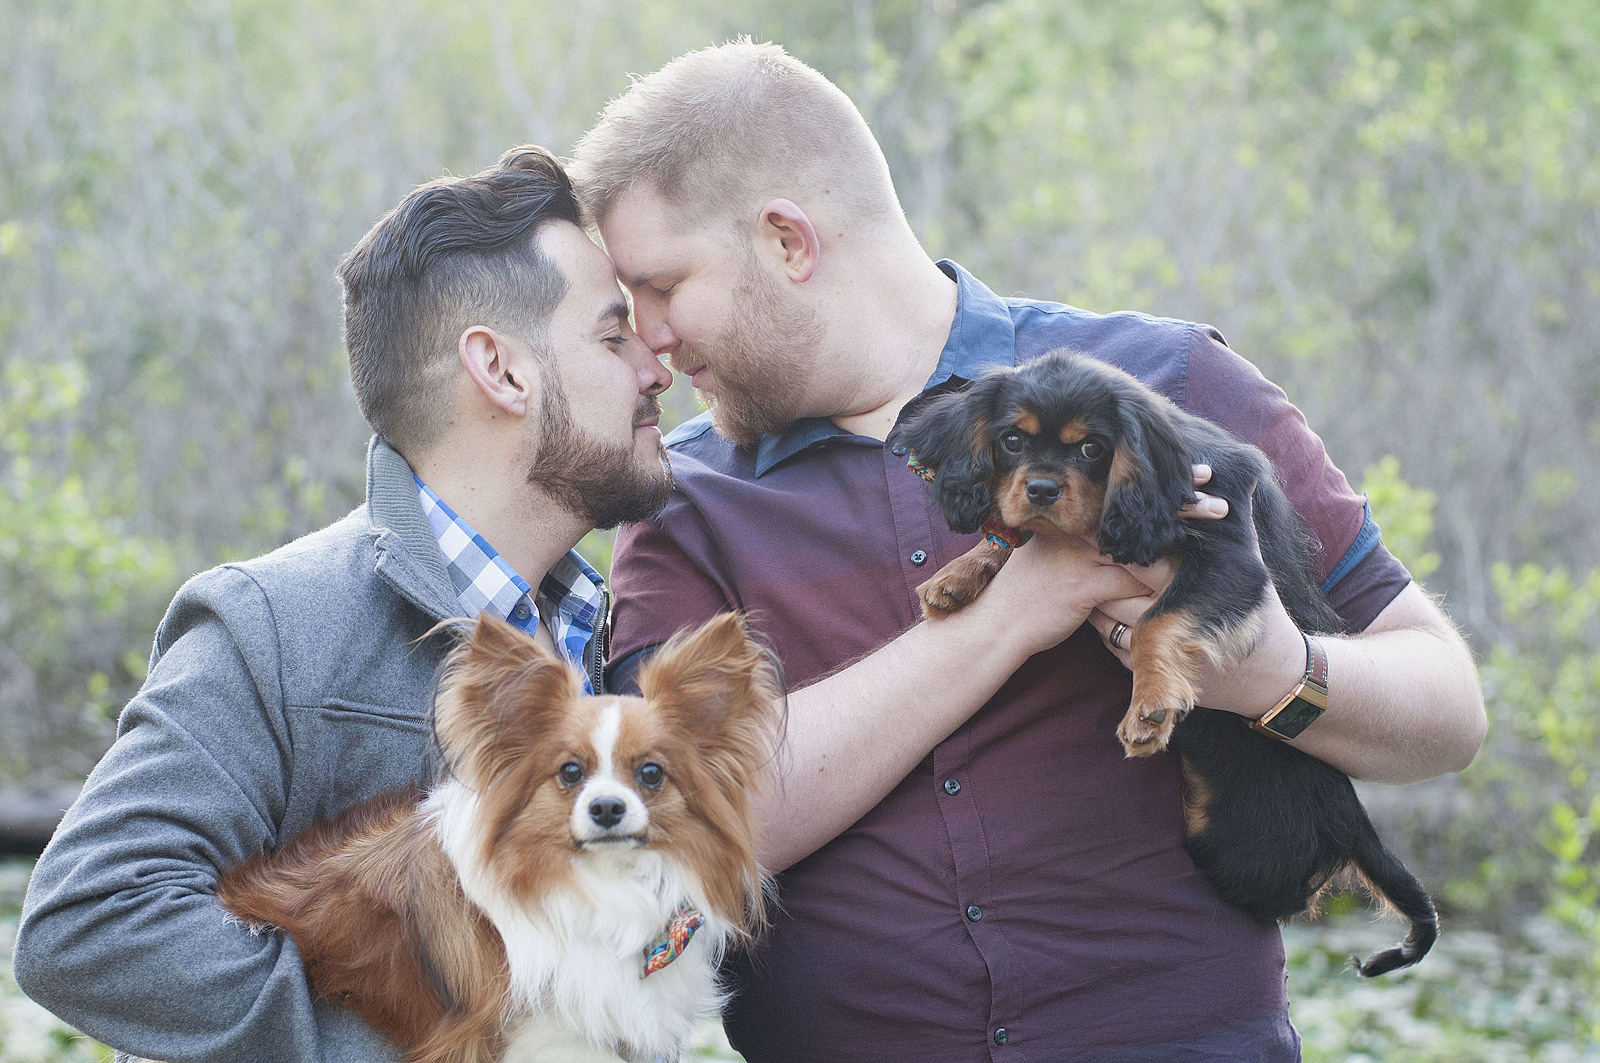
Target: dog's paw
{"points": [[941, 599], [955, 585], [1145, 729]]}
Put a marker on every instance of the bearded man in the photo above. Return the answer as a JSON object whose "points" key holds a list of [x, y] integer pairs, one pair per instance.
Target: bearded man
{"points": [[974, 872], [514, 410]]}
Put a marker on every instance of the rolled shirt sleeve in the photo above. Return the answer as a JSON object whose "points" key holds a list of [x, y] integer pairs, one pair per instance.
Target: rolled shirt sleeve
{"points": [[1359, 576]]}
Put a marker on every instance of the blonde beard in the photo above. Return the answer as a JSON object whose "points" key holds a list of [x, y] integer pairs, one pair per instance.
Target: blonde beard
{"points": [[759, 362]]}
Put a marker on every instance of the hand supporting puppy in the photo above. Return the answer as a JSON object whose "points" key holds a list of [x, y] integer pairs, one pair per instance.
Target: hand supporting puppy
{"points": [[1251, 685], [1079, 583]]}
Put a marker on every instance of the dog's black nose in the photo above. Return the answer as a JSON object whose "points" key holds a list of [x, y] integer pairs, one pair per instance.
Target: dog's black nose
{"points": [[1042, 492], [607, 812]]}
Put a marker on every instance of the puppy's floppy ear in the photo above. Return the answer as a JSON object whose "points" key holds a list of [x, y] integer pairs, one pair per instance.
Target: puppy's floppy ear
{"points": [[493, 700], [717, 683], [1150, 479], [951, 434]]}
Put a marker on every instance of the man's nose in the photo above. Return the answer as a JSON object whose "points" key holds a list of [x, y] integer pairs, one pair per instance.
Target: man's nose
{"points": [[654, 376], [652, 327]]}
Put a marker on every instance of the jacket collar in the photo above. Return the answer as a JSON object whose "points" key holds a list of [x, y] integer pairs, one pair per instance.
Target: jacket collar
{"points": [[408, 555]]}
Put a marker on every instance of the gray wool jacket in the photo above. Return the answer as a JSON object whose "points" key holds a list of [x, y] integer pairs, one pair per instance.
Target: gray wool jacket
{"points": [[281, 690]]}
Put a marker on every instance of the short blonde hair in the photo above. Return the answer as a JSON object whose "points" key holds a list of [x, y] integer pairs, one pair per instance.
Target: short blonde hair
{"points": [[720, 131]]}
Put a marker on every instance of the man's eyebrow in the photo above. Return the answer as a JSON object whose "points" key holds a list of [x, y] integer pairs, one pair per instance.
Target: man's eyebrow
{"points": [[617, 311]]}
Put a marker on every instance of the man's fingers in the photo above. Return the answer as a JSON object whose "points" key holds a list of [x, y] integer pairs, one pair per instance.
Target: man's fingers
{"points": [[1114, 633], [1204, 506]]}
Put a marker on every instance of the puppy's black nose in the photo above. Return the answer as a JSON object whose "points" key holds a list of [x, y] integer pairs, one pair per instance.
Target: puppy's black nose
{"points": [[607, 812], [1042, 492]]}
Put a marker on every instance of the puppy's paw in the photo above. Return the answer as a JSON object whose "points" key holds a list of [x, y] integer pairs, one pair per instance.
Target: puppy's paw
{"points": [[1165, 655], [1147, 727], [953, 586]]}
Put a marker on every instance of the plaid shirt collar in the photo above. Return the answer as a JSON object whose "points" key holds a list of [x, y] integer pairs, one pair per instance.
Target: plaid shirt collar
{"points": [[571, 591]]}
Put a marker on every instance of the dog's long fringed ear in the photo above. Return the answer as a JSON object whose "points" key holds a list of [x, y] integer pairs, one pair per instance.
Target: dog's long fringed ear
{"points": [[489, 702], [1150, 479], [950, 434], [717, 683]]}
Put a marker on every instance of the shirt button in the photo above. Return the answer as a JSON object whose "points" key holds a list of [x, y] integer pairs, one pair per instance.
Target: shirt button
{"points": [[974, 912], [1001, 1037], [952, 787], [520, 612], [919, 557]]}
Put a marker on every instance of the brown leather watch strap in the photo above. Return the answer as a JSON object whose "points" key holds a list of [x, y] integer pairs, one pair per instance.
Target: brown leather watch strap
{"points": [[1316, 663]]}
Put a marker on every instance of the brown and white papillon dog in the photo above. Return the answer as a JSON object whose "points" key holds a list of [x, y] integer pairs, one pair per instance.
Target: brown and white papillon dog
{"points": [[567, 890]]}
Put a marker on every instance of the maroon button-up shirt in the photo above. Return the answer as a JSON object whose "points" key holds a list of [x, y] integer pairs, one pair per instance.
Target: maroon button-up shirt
{"points": [[1023, 894]]}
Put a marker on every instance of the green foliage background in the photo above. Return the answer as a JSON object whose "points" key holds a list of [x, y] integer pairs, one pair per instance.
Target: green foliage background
{"points": [[1391, 206]]}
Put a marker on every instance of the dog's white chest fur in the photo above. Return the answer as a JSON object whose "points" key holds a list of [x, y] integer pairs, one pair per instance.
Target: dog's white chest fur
{"points": [[576, 957]]}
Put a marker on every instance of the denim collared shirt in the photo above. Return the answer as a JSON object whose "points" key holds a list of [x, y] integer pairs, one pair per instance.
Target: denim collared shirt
{"points": [[1023, 894]]}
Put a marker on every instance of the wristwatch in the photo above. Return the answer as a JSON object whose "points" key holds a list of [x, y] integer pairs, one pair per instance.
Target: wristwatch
{"points": [[1301, 706]]}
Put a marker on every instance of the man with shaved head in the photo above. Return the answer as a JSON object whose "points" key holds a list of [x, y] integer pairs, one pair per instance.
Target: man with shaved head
{"points": [[971, 869]]}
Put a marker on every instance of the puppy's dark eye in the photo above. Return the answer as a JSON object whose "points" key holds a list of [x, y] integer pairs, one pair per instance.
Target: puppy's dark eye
{"points": [[1091, 450], [651, 776], [1012, 441], [570, 773]]}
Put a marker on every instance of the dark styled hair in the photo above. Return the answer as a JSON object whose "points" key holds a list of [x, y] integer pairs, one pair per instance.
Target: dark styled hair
{"points": [[455, 252]]}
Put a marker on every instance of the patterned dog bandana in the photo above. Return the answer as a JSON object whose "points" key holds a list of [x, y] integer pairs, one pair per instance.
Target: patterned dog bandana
{"points": [[680, 928]]}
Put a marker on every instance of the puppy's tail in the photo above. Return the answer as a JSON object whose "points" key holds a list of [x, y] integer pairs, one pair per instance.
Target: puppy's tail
{"points": [[1392, 882]]}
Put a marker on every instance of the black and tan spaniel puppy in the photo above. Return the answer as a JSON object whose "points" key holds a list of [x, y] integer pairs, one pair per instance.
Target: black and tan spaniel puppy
{"points": [[1071, 444]]}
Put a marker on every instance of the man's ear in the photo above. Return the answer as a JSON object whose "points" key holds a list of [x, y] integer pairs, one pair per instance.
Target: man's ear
{"points": [[785, 229], [488, 358]]}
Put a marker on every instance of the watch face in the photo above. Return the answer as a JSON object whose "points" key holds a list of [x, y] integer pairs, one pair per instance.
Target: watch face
{"points": [[1295, 717]]}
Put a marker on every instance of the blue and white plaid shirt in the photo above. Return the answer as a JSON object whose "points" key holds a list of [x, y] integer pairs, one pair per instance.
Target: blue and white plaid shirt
{"points": [[572, 591]]}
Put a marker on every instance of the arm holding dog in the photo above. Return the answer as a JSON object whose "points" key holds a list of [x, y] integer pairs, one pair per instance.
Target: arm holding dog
{"points": [[898, 702], [908, 696], [1404, 700]]}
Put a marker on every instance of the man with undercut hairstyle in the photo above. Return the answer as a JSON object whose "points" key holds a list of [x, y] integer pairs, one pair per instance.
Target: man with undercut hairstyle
{"points": [[514, 410], [972, 869]]}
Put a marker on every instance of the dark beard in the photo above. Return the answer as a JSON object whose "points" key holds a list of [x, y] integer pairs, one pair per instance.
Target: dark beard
{"points": [[598, 482]]}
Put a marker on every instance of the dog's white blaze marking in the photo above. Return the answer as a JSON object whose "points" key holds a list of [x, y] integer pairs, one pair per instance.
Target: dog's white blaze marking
{"points": [[604, 740], [609, 779]]}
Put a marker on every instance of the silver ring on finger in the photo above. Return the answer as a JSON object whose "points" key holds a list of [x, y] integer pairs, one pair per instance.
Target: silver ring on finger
{"points": [[1117, 633]]}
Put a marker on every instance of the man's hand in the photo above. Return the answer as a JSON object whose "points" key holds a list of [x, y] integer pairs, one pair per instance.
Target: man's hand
{"points": [[1249, 687], [1204, 506], [1153, 579], [1405, 702], [1055, 582]]}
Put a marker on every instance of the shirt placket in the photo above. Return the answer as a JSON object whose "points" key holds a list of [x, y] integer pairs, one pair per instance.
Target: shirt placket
{"points": [[958, 791]]}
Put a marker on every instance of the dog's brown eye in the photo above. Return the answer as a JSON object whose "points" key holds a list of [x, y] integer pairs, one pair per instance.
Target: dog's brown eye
{"points": [[1013, 441], [1091, 450], [651, 776], [570, 773]]}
